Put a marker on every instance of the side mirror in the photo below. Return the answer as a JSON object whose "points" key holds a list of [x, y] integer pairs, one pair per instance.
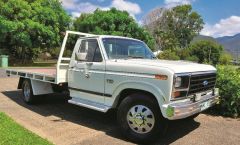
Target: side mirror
{"points": [[81, 56]]}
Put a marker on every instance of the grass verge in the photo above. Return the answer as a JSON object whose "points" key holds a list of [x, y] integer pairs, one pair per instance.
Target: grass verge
{"points": [[12, 133]]}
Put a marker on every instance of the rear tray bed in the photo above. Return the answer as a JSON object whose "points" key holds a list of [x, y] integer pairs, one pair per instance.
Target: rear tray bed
{"points": [[41, 74]]}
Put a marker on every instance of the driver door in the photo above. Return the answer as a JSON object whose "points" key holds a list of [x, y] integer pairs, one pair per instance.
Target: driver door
{"points": [[88, 73]]}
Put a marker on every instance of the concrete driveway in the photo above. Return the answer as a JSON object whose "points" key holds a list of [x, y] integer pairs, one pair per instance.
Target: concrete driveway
{"points": [[64, 124]]}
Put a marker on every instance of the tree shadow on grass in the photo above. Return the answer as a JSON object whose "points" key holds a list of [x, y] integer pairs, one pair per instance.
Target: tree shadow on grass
{"points": [[56, 105]]}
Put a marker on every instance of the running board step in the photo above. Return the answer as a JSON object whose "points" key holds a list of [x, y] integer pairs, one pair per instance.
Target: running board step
{"points": [[89, 104]]}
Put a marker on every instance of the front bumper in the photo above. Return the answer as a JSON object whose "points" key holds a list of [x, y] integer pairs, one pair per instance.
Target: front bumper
{"points": [[185, 108]]}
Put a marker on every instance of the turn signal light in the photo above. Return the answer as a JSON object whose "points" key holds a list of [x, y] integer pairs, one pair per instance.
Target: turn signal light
{"points": [[161, 77], [177, 94]]}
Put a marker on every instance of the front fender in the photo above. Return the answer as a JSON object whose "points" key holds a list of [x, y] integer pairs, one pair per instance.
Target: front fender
{"points": [[139, 85]]}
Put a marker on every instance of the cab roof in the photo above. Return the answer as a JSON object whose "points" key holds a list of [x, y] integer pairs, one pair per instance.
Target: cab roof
{"points": [[111, 36]]}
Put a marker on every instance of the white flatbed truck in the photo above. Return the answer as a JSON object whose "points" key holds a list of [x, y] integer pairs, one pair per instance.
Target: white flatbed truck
{"points": [[106, 72]]}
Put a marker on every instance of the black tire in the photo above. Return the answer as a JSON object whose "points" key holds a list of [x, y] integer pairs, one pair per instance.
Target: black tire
{"points": [[159, 126], [27, 93]]}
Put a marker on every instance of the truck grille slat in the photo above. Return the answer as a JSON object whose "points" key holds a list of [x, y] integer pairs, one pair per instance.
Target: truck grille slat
{"points": [[202, 79], [200, 88], [209, 83], [202, 82]]}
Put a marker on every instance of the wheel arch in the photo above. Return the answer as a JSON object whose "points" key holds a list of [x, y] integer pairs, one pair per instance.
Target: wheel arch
{"points": [[126, 92], [127, 88], [20, 82]]}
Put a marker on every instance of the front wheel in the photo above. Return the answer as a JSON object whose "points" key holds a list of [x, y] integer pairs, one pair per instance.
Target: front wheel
{"points": [[140, 118], [27, 93]]}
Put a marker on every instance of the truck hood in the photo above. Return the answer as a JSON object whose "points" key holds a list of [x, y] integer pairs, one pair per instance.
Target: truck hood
{"points": [[175, 66]]}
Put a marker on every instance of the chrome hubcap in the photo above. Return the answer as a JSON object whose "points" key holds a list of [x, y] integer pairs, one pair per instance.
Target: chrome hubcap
{"points": [[140, 119], [26, 91]]}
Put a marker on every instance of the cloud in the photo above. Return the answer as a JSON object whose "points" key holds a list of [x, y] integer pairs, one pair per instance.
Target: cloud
{"points": [[132, 8], [81, 7], [68, 4], [225, 27], [173, 3], [76, 8], [75, 14]]}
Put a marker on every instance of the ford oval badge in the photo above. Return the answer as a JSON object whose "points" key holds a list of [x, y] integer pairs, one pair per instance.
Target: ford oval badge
{"points": [[205, 83]]}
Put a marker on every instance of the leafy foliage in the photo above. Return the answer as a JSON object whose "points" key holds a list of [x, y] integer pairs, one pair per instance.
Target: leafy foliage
{"points": [[225, 58], [112, 22], [27, 27], [206, 51], [168, 55], [54, 52], [229, 86], [174, 28]]}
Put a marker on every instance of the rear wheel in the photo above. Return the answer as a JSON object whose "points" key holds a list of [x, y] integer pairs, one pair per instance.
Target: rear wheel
{"points": [[27, 93], [140, 118]]}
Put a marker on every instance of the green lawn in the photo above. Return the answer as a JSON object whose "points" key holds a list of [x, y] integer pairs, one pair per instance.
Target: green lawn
{"points": [[12, 133]]}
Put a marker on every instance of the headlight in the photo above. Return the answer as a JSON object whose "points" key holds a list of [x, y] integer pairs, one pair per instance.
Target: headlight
{"points": [[182, 81], [180, 86], [178, 82]]}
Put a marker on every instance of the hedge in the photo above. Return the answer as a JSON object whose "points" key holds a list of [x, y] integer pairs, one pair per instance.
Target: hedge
{"points": [[228, 82]]}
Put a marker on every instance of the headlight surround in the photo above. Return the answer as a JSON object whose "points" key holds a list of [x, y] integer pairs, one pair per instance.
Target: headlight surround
{"points": [[178, 82], [181, 81], [180, 86]]}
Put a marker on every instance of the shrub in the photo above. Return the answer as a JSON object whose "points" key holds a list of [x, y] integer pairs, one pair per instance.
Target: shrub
{"points": [[54, 52], [192, 58], [168, 55], [206, 51], [228, 82], [225, 58]]}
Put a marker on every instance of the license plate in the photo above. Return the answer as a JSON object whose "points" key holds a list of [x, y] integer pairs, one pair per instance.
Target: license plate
{"points": [[198, 97], [205, 105]]}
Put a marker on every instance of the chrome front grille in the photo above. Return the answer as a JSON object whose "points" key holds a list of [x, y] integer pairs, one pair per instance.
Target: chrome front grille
{"points": [[201, 82]]}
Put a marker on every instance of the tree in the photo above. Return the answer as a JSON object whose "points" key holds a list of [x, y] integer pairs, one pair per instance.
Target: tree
{"points": [[225, 58], [168, 55], [112, 22], [29, 26], [206, 51], [174, 27]]}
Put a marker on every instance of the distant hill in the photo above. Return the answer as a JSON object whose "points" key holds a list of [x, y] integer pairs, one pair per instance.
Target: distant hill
{"points": [[231, 43], [202, 37]]}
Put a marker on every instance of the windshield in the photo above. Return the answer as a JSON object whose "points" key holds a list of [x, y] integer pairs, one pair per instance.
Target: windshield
{"points": [[118, 48]]}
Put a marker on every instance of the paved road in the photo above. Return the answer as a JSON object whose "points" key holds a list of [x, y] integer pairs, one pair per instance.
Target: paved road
{"points": [[65, 124]]}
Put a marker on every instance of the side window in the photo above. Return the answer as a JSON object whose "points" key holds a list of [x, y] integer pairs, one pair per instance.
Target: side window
{"points": [[83, 47], [92, 50]]}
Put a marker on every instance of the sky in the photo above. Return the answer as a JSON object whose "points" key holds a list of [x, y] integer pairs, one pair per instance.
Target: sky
{"points": [[221, 17]]}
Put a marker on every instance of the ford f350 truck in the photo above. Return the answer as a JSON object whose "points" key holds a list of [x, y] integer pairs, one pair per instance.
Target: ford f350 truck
{"points": [[113, 72]]}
